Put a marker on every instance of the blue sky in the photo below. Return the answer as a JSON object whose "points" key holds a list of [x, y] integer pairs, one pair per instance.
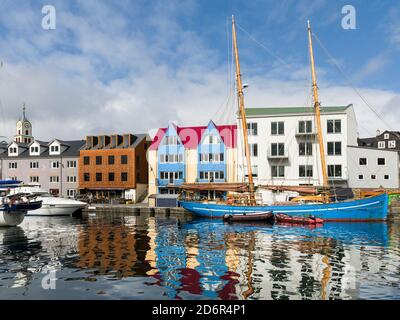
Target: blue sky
{"points": [[129, 66]]}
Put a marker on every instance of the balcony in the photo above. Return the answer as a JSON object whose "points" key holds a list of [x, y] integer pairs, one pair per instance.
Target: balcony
{"points": [[305, 133], [169, 182], [278, 155]]}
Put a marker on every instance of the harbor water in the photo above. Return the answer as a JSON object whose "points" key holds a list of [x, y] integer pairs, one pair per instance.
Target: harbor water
{"points": [[122, 256]]}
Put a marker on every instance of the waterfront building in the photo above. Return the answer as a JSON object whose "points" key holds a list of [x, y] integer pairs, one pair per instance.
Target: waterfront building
{"points": [[51, 164], [373, 168], [284, 145], [197, 154], [285, 151], [114, 167], [388, 140]]}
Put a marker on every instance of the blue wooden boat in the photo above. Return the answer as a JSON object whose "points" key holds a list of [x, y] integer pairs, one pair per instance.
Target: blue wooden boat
{"points": [[367, 209]]}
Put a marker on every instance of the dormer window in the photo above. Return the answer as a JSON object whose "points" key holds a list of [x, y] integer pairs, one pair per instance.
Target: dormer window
{"points": [[34, 149], [55, 149], [13, 151]]}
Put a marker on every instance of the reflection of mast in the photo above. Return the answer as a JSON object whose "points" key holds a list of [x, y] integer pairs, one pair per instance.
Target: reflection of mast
{"points": [[249, 272], [242, 113], [326, 276], [317, 106]]}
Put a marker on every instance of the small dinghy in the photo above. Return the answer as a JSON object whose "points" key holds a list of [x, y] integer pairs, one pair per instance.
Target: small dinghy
{"points": [[251, 216], [284, 218]]}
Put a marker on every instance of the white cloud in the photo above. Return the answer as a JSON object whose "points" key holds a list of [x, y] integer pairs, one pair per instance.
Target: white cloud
{"points": [[115, 77]]}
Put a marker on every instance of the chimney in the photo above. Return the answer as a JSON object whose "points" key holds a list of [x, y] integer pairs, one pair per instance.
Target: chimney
{"points": [[378, 132]]}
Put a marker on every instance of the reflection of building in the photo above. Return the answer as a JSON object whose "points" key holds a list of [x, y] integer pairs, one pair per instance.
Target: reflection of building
{"points": [[114, 166], [113, 249]]}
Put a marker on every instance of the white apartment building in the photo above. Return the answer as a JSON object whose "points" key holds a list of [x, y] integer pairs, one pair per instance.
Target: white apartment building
{"points": [[284, 145]]}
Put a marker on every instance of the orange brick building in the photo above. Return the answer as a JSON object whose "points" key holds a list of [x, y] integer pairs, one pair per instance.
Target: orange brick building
{"points": [[114, 167]]}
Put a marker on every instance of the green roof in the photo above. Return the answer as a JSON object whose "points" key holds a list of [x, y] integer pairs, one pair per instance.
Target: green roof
{"points": [[292, 110]]}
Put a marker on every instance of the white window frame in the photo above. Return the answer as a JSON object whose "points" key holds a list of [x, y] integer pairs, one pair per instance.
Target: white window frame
{"points": [[392, 144], [386, 136], [53, 166], [381, 144]]}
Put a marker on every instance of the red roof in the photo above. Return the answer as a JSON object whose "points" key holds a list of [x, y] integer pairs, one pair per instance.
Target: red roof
{"points": [[191, 136]]}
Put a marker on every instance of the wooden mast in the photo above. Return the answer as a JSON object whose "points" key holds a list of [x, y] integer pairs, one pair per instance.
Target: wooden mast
{"points": [[243, 115], [317, 107]]}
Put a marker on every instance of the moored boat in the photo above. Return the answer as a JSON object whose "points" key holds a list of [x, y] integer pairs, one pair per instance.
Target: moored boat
{"points": [[251, 216], [284, 218], [367, 209], [14, 208]]}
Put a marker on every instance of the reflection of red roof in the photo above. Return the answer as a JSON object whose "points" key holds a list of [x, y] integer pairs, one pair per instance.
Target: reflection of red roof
{"points": [[191, 136]]}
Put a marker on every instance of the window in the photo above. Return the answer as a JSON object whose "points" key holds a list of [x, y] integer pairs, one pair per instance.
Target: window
{"points": [[254, 170], [278, 171], [34, 149], [381, 161], [252, 129], [277, 128], [99, 177], [305, 126], [13, 150], [334, 148], [334, 126], [71, 193], [386, 136], [54, 164], [386, 177], [13, 165], [71, 164], [34, 165], [360, 177], [362, 161], [335, 171], [124, 176], [373, 177], [111, 176], [171, 140], [111, 159], [54, 179], [253, 149], [99, 160], [124, 159], [210, 139], [381, 145], [277, 149], [54, 148], [211, 157], [305, 149], [86, 177], [71, 179], [86, 160], [305, 171], [392, 144], [34, 179]]}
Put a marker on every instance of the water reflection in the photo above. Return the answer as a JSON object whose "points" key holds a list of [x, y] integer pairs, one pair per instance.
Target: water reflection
{"points": [[143, 257]]}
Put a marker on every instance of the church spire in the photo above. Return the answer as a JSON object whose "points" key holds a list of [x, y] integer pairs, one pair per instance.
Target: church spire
{"points": [[23, 112]]}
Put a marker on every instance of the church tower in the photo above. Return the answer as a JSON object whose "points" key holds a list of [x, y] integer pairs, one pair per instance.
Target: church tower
{"points": [[24, 129]]}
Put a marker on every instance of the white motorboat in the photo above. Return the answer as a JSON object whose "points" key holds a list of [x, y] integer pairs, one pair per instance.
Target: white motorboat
{"points": [[14, 207], [51, 206]]}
